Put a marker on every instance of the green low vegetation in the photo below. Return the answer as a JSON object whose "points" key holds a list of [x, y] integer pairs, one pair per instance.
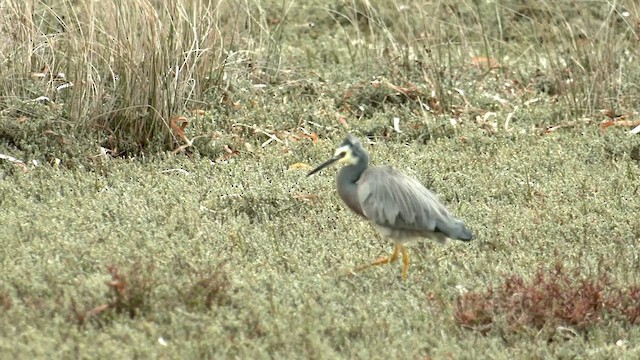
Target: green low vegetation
{"points": [[154, 200]]}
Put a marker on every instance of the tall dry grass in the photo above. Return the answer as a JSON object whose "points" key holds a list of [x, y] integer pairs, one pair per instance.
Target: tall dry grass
{"points": [[585, 53], [129, 67], [137, 65]]}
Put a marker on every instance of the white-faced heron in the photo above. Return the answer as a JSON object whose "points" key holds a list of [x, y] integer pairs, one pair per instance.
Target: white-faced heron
{"points": [[399, 207]]}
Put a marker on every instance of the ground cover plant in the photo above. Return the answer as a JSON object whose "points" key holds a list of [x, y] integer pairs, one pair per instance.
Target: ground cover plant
{"points": [[154, 203]]}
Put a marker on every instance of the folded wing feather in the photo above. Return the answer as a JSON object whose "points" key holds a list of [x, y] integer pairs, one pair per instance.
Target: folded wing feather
{"points": [[389, 198]]}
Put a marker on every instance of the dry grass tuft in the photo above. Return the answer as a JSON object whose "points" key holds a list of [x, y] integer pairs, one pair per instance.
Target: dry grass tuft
{"points": [[130, 72], [127, 69]]}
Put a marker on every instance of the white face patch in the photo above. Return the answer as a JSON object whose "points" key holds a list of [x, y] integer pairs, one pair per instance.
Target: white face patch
{"points": [[348, 158]]}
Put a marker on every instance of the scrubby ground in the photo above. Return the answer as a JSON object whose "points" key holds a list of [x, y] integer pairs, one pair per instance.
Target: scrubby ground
{"points": [[167, 214]]}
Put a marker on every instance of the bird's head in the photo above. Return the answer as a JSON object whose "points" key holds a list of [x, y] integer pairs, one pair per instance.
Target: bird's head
{"points": [[350, 152]]}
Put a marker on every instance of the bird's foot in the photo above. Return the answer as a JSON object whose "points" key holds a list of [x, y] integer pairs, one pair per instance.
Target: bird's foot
{"points": [[381, 260]]}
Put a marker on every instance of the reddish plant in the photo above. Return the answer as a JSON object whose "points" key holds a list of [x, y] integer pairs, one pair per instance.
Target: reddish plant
{"points": [[207, 289], [552, 298], [130, 292]]}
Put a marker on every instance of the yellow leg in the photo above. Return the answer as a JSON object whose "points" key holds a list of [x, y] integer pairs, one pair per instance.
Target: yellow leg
{"points": [[405, 262], [385, 260]]}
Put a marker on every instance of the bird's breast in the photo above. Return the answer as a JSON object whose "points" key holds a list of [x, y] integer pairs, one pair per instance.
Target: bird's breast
{"points": [[349, 195]]}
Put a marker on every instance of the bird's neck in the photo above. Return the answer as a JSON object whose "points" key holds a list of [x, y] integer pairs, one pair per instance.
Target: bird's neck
{"points": [[348, 175], [351, 173], [348, 189], [347, 180]]}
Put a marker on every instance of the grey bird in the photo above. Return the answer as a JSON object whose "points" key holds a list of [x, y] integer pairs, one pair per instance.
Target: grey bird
{"points": [[399, 207]]}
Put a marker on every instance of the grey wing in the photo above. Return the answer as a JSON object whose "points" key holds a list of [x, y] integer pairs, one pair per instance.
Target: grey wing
{"points": [[389, 198]]}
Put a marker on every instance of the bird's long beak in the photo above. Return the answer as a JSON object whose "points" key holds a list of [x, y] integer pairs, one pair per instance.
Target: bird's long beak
{"points": [[326, 163]]}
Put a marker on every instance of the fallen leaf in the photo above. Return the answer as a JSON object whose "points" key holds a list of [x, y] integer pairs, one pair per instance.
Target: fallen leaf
{"points": [[22, 166], [44, 72], [178, 124], [551, 129], [10, 158], [482, 61], [97, 310], [305, 197], [313, 136], [610, 113], [605, 124], [64, 86], [396, 124], [531, 101], [300, 166], [434, 105], [410, 91], [42, 99], [229, 152]]}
